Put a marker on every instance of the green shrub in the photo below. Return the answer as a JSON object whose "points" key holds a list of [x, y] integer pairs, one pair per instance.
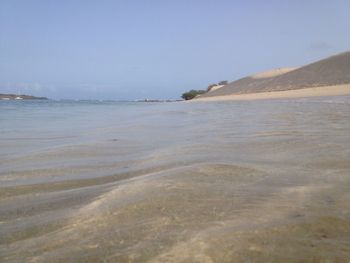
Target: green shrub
{"points": [[223, 82], [191, 94]]}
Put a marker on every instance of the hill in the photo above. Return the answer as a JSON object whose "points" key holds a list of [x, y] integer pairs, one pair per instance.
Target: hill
{"points": [[331, 71]]}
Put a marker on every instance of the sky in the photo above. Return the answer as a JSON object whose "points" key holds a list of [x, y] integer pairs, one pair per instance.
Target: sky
{"points": [[158, 49]]}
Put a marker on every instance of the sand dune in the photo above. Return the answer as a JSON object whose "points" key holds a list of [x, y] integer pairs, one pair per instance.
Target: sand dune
{"points": [[271, 73], [331, 73]]}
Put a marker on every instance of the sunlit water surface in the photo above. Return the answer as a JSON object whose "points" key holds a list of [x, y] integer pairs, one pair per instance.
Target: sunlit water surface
{"points": [[259, 181]]}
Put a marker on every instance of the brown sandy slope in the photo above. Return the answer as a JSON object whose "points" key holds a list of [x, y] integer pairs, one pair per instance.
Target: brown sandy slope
{"points": [[331, 71]]}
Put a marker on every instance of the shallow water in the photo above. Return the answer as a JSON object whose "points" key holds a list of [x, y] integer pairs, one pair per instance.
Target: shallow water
{"points": [[262, 181]]}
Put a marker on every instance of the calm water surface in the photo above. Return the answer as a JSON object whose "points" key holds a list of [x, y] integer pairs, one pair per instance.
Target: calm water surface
{"points": [[262, 181]]}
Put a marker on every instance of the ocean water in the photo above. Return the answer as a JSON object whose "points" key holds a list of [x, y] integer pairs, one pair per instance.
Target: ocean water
{"points": [[253, 181]]}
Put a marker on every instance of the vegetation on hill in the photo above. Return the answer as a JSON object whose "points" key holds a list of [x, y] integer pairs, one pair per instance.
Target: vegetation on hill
{"points": [[192, 93], [223, 82]]}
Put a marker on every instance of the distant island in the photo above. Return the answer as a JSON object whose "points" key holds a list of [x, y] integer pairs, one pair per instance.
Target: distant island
{"points": [[327, 77], [20, 97]]}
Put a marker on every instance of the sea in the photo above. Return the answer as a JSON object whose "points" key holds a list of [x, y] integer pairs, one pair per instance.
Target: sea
{"points": [[240, 181]]}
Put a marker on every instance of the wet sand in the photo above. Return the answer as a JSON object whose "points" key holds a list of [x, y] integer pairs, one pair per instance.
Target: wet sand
{"points": [[259, 181]]}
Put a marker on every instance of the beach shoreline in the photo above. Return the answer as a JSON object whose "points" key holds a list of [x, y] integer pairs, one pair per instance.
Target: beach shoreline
{"points": [[324, 91], [337, 90]]}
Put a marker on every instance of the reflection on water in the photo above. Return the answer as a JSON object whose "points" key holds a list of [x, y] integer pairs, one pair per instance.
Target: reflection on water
{"points": [[175, 182]]}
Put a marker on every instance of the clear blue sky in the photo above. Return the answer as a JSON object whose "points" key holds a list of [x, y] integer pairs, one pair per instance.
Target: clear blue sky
{"points": [[131, 49]]}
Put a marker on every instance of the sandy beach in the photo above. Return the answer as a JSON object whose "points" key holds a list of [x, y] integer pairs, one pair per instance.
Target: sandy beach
{"points": [[337, 90], [174, 131]]}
